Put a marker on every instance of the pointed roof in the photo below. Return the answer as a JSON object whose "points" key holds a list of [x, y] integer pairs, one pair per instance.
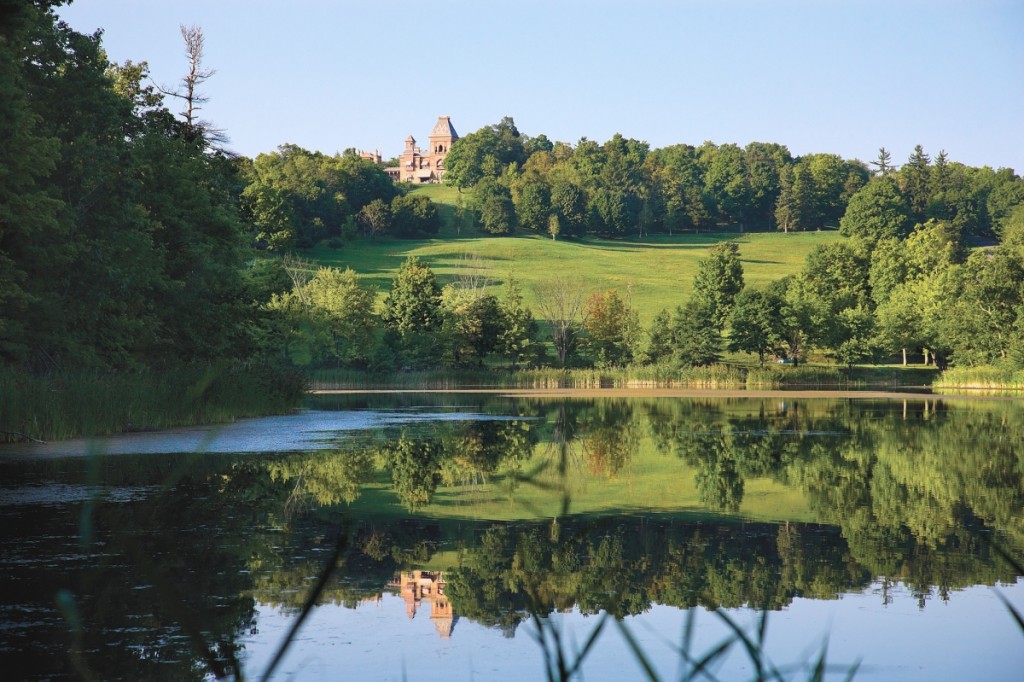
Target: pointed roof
{"points": [[444, 128]]}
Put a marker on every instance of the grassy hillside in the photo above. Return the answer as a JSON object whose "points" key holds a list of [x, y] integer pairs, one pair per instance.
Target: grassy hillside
{"points": [[658, 271]]}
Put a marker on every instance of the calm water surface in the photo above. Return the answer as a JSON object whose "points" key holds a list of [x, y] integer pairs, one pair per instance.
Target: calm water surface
{"points": [[476, 536]]}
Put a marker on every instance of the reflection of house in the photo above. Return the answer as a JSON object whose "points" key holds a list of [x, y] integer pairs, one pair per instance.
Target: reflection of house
{"points": [[418, 166], [415, 586]]}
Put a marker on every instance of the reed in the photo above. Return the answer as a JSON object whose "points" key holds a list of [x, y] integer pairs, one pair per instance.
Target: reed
{"points": [[787, 377], [69, 404], [982, 377], [659, 376]]}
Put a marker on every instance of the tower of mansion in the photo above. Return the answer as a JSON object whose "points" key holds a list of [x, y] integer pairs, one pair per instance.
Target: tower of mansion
{"points": [[418, 166]]}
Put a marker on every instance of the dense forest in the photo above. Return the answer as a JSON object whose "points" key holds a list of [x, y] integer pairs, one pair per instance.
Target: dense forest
{"points": [[130, 238], [119, 245]]}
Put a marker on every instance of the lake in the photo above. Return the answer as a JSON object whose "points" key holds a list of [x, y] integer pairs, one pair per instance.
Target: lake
{"points": [[471, 536]]}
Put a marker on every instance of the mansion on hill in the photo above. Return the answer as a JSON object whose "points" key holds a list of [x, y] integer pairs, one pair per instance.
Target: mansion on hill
{"points": [[418, 166]]}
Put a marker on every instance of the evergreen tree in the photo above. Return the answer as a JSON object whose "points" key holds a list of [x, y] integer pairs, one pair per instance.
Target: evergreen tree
{"points": [[915, 178], [795, 207], [660, 343], [883, 163], [517, 339]]}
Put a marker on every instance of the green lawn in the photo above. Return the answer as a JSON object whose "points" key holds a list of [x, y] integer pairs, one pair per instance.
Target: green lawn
{"points": [[658, 271]]}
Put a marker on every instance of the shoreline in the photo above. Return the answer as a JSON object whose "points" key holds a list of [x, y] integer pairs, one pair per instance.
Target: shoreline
{"points": [[669, 393]]}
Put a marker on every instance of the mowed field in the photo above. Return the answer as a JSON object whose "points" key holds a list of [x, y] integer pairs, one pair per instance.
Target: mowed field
{"points": [[656, 272]]}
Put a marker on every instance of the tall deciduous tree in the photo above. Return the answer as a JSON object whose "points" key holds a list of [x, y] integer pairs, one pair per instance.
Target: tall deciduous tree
{"points": [[718, 280], [493, 202], [560, 300], [569, 204], [727, 185], [485, 153], [697, 334], [612, 328], [414, 302], [472, 326], [414, 216], [877, 211], [756, 324], [375, 218], [341, 309], [533, 207]]}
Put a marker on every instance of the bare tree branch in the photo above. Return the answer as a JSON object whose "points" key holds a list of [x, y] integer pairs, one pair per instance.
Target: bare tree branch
{"points": [[560, 300]]}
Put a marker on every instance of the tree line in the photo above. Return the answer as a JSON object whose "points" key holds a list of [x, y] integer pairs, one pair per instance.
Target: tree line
{"points": [[516, 183], [623, 187], [121, 245], [854, 301]]}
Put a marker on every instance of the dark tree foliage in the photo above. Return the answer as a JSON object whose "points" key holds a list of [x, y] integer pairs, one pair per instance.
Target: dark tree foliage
{"points": [[718, 280], [697, 334], [493, 202], [120, 244], [878, 211], [308, 194], [414, 217]]}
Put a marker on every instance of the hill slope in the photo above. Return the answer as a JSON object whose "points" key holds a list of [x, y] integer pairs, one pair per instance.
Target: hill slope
{"points": [[657, 271]]}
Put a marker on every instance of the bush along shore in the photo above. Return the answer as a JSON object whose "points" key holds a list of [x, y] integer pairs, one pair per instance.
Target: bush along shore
{"points": [[81, 403]]}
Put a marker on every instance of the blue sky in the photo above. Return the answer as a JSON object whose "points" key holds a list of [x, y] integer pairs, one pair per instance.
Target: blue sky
{"points": [[825, 76]]}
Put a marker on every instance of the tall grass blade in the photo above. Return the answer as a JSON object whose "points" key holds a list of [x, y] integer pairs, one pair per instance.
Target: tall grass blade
{"points": [[588, 644], [1013, 612], [638, 652], [307, 607]]}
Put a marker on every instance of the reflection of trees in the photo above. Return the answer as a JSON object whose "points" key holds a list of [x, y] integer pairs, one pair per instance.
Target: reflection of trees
{"points": [[324, 477], [415, 466], [911, 486], [623, 566], [610, 438], [155, 575], [599, 436], [901, 494], [465, 454]]}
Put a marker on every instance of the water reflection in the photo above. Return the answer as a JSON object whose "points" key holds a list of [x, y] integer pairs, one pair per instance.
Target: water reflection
{"points": [[153, 566]]}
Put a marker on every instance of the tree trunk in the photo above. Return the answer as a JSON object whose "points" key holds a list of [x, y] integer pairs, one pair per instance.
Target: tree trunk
{"points": [[904, 357]]}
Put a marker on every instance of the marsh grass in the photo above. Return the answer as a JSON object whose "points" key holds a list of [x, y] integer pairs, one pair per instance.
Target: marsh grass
{"points": [[802, 376], [726, 376], [985, 377], [82, 403], [652, 376]]}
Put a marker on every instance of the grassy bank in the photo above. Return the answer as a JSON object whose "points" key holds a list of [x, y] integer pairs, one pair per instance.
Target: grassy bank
{"points": [[71, 404], [721, 376], [985, 378]]}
